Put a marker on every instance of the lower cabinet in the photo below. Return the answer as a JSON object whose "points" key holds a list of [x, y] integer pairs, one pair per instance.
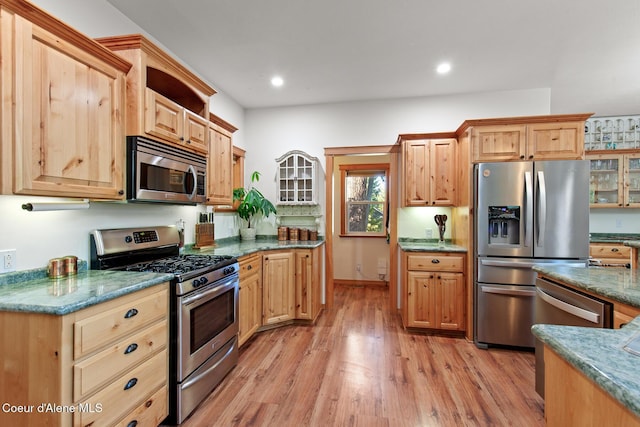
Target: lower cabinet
{"points": [[104, 364], [433, 291], [250, 296], [279, 287], [610, 254], [572, 399], [278, 290]]}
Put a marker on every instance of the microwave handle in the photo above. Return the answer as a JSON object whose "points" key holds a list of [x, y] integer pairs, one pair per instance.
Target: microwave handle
{"points": [[195, 181]]}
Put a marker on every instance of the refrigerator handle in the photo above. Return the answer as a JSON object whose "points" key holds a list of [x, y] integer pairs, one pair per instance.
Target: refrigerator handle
{"points": [[542, 209], [528, 221]]}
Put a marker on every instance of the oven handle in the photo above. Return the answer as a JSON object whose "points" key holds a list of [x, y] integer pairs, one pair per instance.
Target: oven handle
{"points": [[209, 292], [568, 308], [198, 377]]}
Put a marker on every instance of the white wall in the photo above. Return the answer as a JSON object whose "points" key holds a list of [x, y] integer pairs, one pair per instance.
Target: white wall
{"points": [[614, 221]]}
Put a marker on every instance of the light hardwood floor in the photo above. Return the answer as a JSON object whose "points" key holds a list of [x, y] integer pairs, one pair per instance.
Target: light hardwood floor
{"points": [[358, 367]]}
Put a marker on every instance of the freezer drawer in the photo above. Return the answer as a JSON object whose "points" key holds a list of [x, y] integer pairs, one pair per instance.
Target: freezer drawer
{"points": [[504, 314], [516, 271]]}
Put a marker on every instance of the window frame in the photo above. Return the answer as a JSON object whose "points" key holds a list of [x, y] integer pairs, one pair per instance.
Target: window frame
{"points": [[345, 169]]}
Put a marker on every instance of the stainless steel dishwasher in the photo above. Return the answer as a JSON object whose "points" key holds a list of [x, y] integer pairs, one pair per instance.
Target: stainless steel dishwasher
{"points": [[558, 305]]}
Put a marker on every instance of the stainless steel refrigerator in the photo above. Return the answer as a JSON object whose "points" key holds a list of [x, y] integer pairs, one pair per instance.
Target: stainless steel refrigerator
{"points": [[525, 213]]}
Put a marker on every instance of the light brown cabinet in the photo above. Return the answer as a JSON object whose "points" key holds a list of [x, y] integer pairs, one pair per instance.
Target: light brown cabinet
{"points": [[250, 296], [278, 287], [572, 399], [165, 100], [112, 367], [610, 254], [62, 109], [614, 180], [429, 171], [167, 120], [308, 283], [550, 140], [433, 291], [220, 180]]}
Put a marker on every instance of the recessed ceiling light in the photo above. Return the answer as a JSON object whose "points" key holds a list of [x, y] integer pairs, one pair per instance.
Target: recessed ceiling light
{"points": [[443, 68], [277, 81]]}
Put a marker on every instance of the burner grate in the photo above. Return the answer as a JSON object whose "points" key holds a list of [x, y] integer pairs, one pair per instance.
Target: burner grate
{"points": [[180, 264]]}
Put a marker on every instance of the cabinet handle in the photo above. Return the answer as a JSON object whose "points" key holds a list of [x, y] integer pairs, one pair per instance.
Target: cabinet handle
{"points": [[131, 348], [615, 250], [131, 383], [133, 423], [181, 138], [129, 314], [120, 193], [531, 156], [522, 157], [435, 261]]}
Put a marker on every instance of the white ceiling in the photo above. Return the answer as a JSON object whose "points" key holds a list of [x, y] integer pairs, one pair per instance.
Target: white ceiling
{"points": [[586, 51]]}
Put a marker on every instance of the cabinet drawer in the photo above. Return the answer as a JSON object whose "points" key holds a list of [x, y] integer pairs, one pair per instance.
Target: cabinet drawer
{"points": [[101, 329], [435, 262], [250, 265], [610, 251], [91, 373], [150, 413], [124, 393]]}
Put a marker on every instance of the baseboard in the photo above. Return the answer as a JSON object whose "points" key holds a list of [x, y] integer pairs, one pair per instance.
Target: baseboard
{"points": [[359, 283]]}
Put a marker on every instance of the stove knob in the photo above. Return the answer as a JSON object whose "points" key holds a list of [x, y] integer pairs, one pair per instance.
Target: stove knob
{"points": [[195, 283], [203, 281], [128, 239]]}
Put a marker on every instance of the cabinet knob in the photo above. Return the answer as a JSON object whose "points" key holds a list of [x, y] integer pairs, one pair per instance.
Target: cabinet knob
{"points": [[435, 261], [430, 277], [531, 156], [522, 157], [439, 277], [120, 193], [615, 250], [249, 267]]}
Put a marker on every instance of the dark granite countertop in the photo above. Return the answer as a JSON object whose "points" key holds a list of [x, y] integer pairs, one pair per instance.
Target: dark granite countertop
{"points": [[431, 245], [600, 355]]}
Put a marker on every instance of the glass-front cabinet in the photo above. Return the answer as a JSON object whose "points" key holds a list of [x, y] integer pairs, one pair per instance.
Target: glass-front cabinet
{"points": [[615, 180], [297, 179]]}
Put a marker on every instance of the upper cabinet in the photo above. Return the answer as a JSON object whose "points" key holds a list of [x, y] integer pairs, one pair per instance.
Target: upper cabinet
{"points": [[220, 179], [429, 170], [528, 138], [165, 100], [612, 133], [62, 109], [297, 179], [614, 180]]}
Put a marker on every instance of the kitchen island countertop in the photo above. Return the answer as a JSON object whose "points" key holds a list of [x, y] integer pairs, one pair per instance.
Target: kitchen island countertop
{"points": [[238, 248], [618, 284], [599, 354]]}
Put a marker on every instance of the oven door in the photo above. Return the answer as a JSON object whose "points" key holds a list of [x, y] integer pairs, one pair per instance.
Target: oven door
{"points": [[207, 319], [160, 173]]}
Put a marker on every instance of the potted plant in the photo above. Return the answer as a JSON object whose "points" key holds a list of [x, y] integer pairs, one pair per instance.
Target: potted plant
{"points": [[253, 205]]}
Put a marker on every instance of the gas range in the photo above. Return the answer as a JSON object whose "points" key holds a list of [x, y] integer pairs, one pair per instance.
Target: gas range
{"points": [[156, 249]]}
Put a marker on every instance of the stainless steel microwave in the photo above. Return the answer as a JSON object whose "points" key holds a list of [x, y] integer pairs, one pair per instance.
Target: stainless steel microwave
{"points": [[158, 172]]}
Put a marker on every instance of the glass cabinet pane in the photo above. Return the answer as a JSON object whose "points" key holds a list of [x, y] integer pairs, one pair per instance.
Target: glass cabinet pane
{"points": [[296, 178], [633, 180], [603, 181]]}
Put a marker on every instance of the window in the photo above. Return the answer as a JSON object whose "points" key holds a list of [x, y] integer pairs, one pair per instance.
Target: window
{"points": [[363, 205]]}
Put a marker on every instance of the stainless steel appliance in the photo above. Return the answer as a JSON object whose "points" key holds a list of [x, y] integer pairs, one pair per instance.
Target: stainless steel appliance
{"points": [[526, 213], [203, 307], [559, 305], [157, 172]]}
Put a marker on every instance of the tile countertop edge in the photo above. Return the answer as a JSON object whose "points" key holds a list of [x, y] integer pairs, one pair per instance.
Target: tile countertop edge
{"points": [[632, 243], [600, 356]]}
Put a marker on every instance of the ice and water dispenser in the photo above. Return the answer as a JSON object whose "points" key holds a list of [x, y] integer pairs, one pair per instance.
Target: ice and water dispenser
{"points": [[504, 225]]}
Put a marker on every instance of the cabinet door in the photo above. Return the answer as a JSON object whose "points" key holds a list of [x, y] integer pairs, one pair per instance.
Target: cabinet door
{"points": [[498, 143], [632, 180], [442, 172], [421, 307], [278, 288], [416, 173], [68, 111], [163, 117], [196, 132], [304, 284], [249, 306], [219, 169], [555, 141], [606, 181], [450, 301]]}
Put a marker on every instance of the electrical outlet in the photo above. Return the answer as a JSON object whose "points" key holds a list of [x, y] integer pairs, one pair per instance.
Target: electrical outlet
{"points": [[429, 233], [7, 260], [358, 266]]}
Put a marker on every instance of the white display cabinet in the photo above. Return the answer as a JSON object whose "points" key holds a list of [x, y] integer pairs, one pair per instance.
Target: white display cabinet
{"points": [[297, 179]]}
